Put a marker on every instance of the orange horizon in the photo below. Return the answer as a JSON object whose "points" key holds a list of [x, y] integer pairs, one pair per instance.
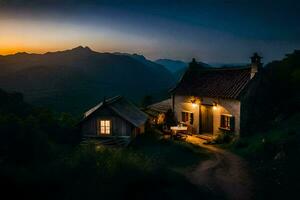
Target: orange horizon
{"points": [[6, 52], [14, 51]]}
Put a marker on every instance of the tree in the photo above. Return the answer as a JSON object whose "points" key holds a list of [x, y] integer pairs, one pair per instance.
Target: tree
{"points": [[170, 119]]}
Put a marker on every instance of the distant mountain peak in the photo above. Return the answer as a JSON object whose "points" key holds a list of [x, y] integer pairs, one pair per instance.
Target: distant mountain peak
{"points": [[134, 55], [21, 53], [139, 55], [81, 49]]}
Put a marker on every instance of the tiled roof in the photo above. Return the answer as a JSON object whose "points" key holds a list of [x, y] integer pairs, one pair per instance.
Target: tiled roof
{"points": [[214, 82], [123, 108]]}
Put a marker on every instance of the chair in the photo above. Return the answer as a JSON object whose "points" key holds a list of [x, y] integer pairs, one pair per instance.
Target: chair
{"points": [[190, 130]]}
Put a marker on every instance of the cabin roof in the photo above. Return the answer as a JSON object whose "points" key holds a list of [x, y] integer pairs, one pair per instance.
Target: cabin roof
{"points": [[161, 107], [121, 107], [214, 82]]}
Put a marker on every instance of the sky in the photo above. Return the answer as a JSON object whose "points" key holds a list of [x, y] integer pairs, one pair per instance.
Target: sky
{"points": [[225, 31]]}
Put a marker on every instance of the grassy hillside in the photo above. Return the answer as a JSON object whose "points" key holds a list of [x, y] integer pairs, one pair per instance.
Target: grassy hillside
{"points": [[273, 157]]}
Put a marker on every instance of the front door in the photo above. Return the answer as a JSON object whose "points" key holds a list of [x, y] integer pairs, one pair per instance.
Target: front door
{"points": [[206, 120]]}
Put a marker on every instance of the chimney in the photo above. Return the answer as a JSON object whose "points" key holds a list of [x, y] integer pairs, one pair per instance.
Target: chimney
{"points": [[255, 64]]}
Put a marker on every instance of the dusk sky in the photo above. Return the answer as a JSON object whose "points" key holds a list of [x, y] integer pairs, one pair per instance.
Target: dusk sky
{"points": [[211, 31]]}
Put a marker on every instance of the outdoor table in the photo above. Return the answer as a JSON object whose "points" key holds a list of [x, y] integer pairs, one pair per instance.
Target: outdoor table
{"points": [[175, 129]]}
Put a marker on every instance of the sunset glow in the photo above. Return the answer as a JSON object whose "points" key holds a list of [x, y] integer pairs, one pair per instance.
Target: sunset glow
{"points": [[40, 36], [156, 29]]}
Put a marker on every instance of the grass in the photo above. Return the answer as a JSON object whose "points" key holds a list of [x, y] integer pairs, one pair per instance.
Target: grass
{"points": [[279, 134], [274, 159], [169, 153], [145, 170]]}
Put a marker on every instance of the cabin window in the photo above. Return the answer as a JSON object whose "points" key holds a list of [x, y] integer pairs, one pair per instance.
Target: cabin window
{"points": [[187, 117], [104, 127], [227, 122], [184, 116], [191, 118]]}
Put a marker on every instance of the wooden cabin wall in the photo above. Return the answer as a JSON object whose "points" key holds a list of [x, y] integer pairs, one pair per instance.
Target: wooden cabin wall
{"points": [[120, 127]]}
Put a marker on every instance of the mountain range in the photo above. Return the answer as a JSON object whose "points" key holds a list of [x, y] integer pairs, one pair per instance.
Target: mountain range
{"points": [[172, 65], [177, 67], [76, 79]]}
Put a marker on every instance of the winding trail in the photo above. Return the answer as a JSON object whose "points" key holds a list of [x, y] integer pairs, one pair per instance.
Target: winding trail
{"points": [[225, 174]]}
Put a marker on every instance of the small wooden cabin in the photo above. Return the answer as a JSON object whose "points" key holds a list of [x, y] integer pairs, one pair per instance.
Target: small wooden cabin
{"points": [[113, 118]]}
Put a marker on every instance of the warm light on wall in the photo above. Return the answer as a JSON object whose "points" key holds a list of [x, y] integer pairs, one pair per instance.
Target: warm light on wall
{"points": [[195, 101], [194, 105], [215, 106]]}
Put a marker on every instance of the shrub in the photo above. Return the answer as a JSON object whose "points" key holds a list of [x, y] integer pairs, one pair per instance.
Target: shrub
{"points": [[224, 137], [22, 141], [170, 119], [92, 170]]}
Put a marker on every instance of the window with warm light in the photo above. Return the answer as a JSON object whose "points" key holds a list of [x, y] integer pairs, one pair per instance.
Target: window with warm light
{"points": [[227, 122], [187, 117], [104, 127], [184, 116]]}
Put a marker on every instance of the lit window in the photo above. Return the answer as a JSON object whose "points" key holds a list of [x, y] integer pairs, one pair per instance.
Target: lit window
{"points": [[227, 122], [104, 127], [184, 116], [187, 117]]}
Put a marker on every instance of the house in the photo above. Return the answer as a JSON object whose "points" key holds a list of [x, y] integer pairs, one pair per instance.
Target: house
{"points": [[211, 101], [113, 118]]}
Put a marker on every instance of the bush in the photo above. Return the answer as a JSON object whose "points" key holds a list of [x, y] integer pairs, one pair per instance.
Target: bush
{"points": [[223, 138], [170, 119], [21, 140]]}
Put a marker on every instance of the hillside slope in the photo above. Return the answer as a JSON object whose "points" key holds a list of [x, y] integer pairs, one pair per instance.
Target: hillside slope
{"points": [[73, 80]]}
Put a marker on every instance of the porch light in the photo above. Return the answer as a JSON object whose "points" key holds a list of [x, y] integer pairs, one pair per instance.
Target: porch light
{"points": [[195, 101], [194, 104], [215, 106]]}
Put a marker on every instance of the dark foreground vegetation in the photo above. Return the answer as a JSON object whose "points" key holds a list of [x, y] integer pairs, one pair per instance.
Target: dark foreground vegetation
{"points": [[41, 158], [273, 157], [273, 144]]}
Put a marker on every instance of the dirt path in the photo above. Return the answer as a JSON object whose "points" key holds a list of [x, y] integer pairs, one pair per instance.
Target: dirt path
{"points": [[226, 173]]}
